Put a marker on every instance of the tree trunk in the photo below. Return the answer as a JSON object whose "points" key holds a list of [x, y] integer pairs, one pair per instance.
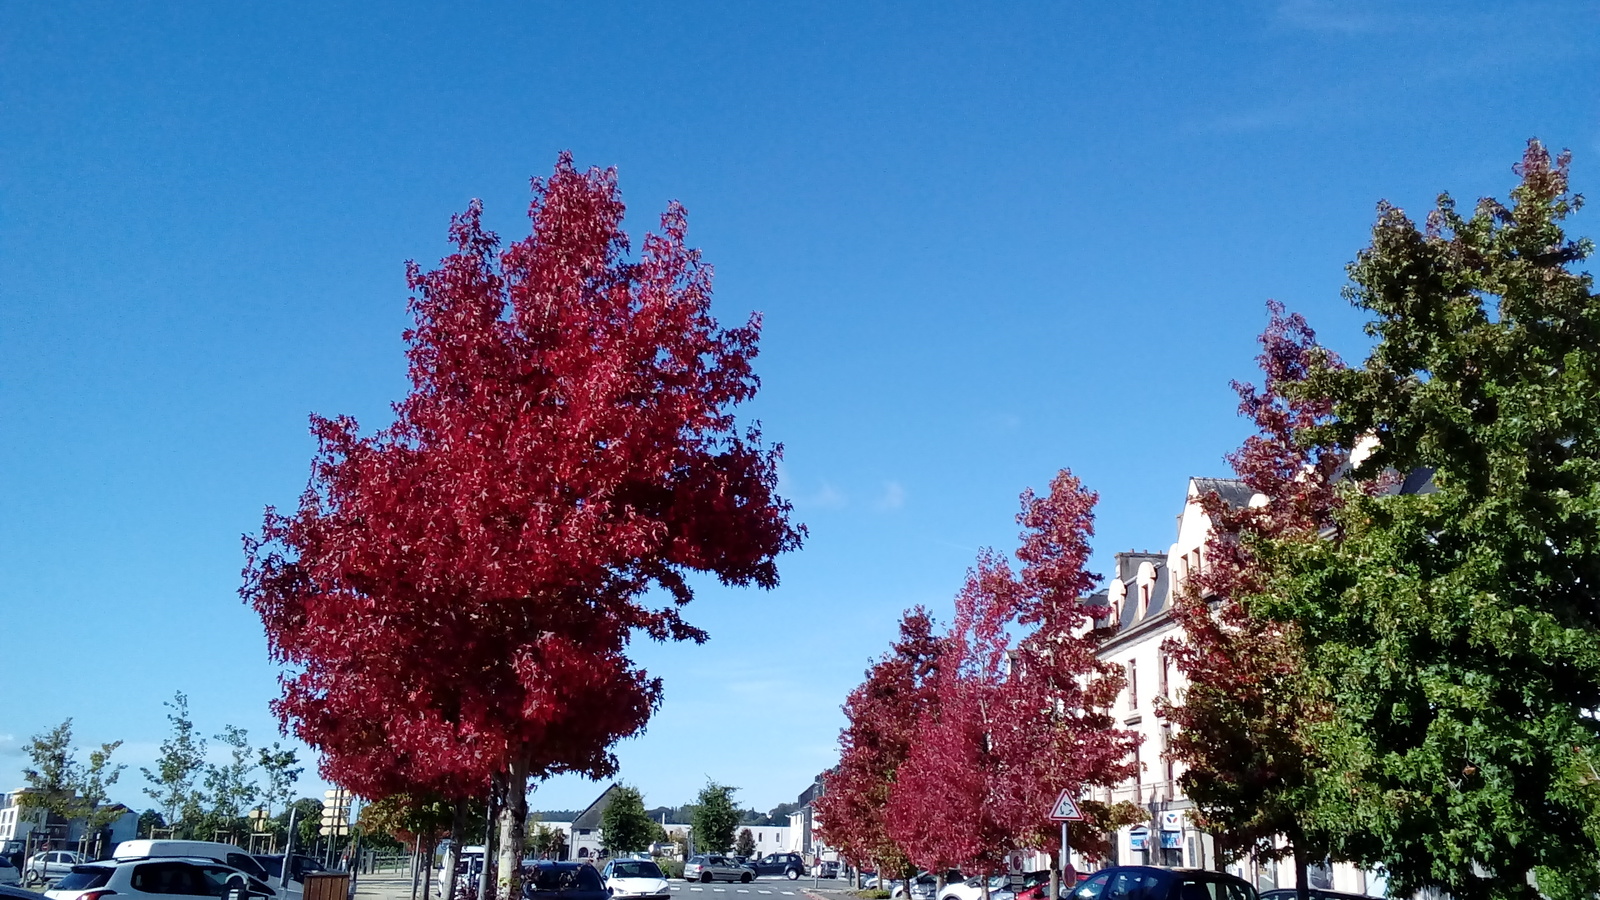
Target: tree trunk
{"points": [[425, 859], [1302, 875], [452, 850], [513, 827], [486, 887]]}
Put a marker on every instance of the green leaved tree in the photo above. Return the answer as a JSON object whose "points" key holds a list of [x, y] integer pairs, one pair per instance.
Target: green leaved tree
{"points": [[715, 818], [183, 756], [1456, 628], [746, 845], [624, 825]]}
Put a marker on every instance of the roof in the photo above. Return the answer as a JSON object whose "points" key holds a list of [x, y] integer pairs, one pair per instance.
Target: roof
{"points": [[590, 817], [1234, 492]]}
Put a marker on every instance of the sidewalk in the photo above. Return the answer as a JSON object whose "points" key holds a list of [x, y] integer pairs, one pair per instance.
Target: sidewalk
{"points": [[388, 886]]}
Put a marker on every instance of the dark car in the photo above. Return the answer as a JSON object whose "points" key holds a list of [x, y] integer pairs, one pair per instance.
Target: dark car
{"points": [[1149, 883], [564, 881], [301, 867], [8, 892], [1316, 894], [789, 865]]}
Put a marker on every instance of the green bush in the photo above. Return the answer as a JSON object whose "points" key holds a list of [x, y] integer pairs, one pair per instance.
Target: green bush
{"points": [[673, 868], [873, 894]]}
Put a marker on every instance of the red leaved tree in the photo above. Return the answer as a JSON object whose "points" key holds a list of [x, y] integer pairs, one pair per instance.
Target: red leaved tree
{"points": [[459, 589], [1018, 720], [882, 717], [1244, 719]]}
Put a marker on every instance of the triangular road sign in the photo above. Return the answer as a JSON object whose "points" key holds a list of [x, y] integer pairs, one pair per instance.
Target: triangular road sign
{"points": [[1066, 809]]}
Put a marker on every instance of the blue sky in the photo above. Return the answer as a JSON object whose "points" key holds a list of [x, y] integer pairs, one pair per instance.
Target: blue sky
{"points": [[990, 241]]}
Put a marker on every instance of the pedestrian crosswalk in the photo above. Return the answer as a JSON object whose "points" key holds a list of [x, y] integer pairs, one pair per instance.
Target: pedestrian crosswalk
{"points": [[717, 890]]}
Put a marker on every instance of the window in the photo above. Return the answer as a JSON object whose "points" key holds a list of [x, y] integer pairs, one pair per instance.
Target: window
{"points": [[1166, 745], [1128, 885], [1133, 684], [1165, 674], [168, 878], [1092, 889]]}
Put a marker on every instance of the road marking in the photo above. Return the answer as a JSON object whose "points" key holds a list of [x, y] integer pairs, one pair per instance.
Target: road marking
{"points": [[696, 889]]}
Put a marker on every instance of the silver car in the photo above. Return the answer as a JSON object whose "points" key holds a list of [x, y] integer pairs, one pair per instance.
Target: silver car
{"points": [[715, 867]]}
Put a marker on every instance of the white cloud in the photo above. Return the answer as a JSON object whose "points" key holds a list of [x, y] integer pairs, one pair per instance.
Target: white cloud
{"points": [[10, 745], [1328, 15], [893, 497]]}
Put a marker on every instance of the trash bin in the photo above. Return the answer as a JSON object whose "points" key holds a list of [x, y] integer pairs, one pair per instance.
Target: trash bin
{"points": [[327, 885]]}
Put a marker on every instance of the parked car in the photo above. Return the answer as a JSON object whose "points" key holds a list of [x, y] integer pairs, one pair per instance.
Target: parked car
{"points": [[1149, 883], [923, 886], [972, 889], [156, 879], [789, 865], [827, 868], [640, 878], [1316, 894], [7, 892], [564, 881], [227, 854], [49, 865], [299, 868], [709, 867], [9, 874]]}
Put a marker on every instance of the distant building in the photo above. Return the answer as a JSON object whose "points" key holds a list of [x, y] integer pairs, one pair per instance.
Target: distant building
{"points": [[48, 829], [585, 834]]}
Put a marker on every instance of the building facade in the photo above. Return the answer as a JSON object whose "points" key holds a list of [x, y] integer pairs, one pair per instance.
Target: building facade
{"points": [[1137, 604]]}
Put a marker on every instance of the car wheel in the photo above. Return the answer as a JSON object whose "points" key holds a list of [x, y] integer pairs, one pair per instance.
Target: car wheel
{"points": [[791, 874], [705, 877], [745, 878]]}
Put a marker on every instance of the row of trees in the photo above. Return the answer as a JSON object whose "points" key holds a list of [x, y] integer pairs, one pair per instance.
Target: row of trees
{"points": [[455, 594], [197, 798], [959, 743], [626, 827], [1393, 653]]}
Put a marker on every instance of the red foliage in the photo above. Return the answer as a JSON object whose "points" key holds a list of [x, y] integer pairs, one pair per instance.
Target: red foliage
{"points": [[1242, 719], [456, 592], [883, 714], [1017, 722]]}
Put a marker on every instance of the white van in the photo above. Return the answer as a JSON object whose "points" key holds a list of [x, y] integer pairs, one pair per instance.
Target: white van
{"points": [[469, 868], [227, 854]]}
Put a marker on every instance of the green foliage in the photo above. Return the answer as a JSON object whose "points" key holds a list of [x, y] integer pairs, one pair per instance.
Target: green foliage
{"points": [[746, 845], [624, 825], [672, 868], [229, 787], [148, 821], [52, 774], [307, 819], [1456, 631], [715, 818], [871, 894], [406, 816], [183, 755], [542, 839], [57, 782], [280, 773]]}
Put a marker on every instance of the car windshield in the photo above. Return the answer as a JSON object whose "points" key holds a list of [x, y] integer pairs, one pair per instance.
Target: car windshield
{"points": [[566, 878], [83, 878], [640, 869]]}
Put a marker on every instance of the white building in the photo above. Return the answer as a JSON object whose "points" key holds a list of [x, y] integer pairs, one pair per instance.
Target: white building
{"points": [[1137, 604], [16, 824]]}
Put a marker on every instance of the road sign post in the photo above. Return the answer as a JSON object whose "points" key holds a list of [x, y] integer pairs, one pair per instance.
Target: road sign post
{"points": [[1066, 810]]}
